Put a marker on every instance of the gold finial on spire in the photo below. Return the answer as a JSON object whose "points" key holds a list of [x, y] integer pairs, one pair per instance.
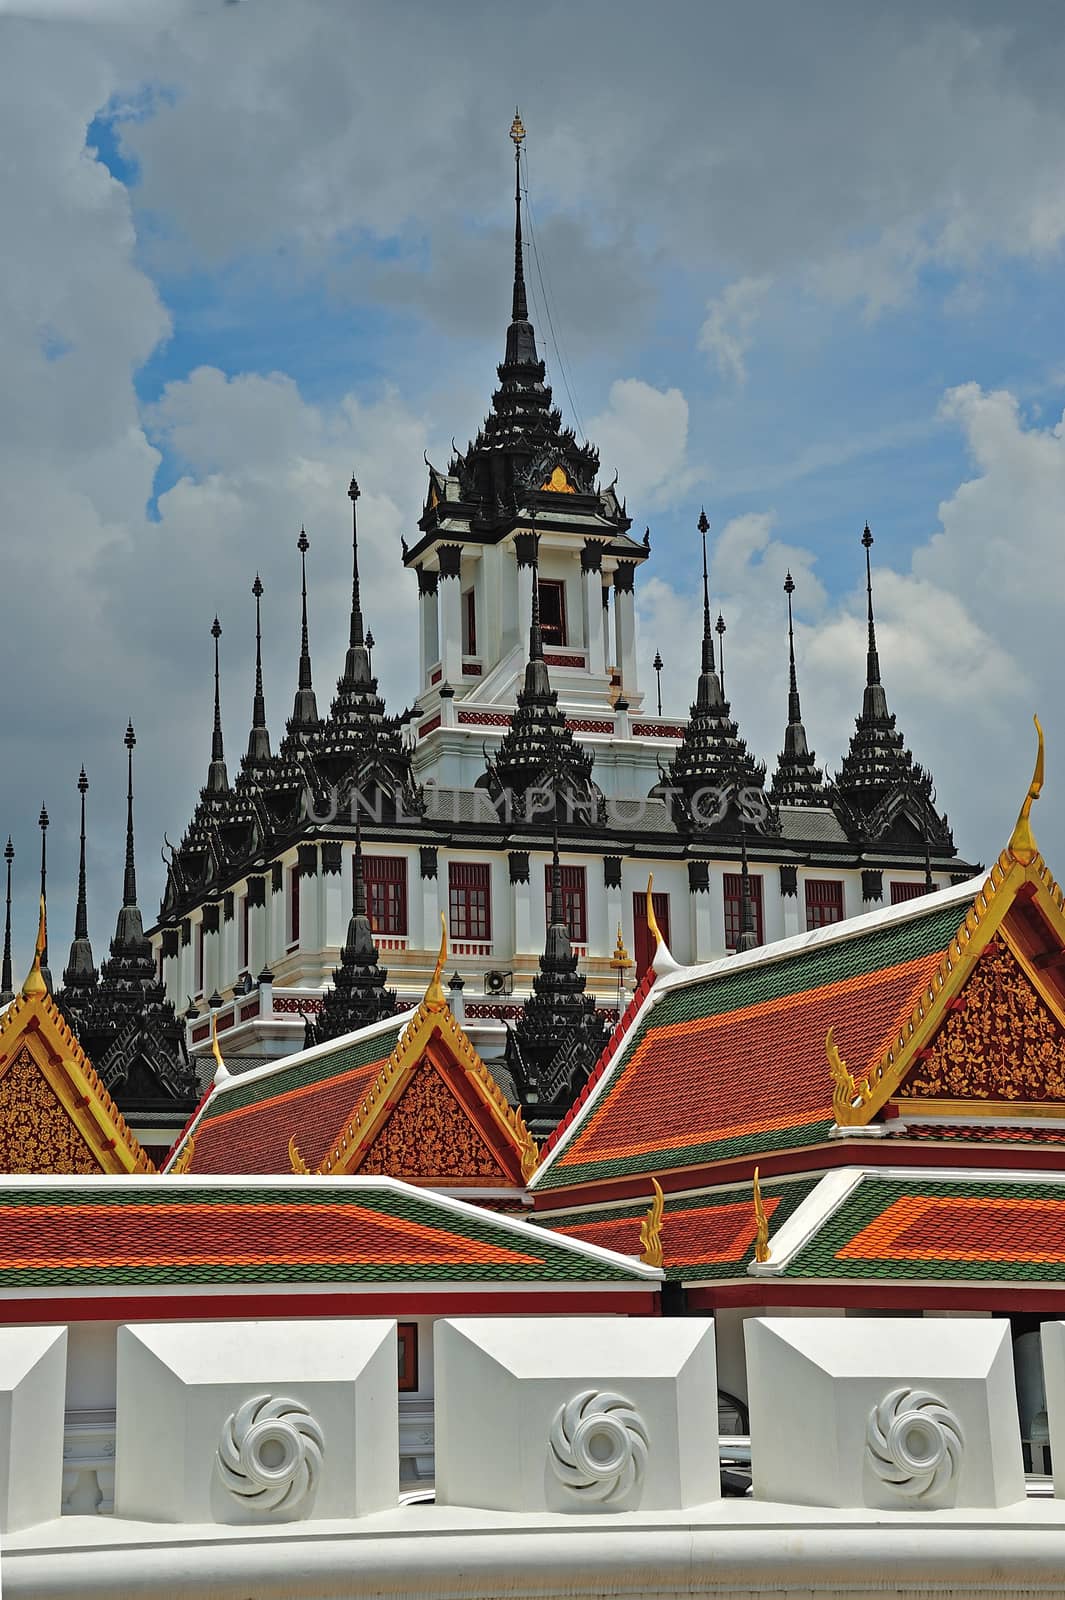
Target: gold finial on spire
{"points": [[517, 128], [35, 983], [620, 960], [435, 998], [651, 1228], [652, 922], [1022, 846], [761, 1223]]}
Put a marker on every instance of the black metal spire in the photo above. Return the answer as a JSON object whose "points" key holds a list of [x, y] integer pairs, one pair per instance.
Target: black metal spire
{"points": [[710, 692], [305, 707], [797, 781], [7, 993], [42, 823], [874, 703], [519, 311], [80, 972], [719, 629], [521, 340], [129, 881], [748, 936], [357, 662], [217, 776], [259, 738]]}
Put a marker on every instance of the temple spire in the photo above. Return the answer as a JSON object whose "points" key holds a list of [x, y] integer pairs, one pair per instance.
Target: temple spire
{"points": [[7, 993], [80, 971], [129, 882], [797, 781], [357, 662], [710, 692], [519, 305], [537, 681], [874, 703], [259, 738], [42, 823], [217, 776], [305, 707]]}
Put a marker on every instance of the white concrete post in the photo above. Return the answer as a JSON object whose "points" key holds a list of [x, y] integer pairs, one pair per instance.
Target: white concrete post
{"points": [[592, 607], [625, 626], [451, 618], [33, 1381]]}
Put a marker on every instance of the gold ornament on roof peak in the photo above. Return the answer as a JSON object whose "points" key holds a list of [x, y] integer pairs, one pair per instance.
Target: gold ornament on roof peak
{"points": [[435, 998], [35, 983], [652, 921], [1022, 846], [620, 960], [296, 1161], [651, 1228], [761, 1223], [517, 129]]}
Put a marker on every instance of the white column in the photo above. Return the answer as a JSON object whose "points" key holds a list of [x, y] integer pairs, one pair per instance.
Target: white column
{"points": [[332, 907], [212, 973], [429, 629], [608, 654], [793, 919], [592, 606], [702, 926], [257, 936], [525, 582], [522, 898], [451, 629], [625, 627]]}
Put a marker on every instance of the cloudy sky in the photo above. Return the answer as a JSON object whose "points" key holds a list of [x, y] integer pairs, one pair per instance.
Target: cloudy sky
{"points": [[804, 265]]}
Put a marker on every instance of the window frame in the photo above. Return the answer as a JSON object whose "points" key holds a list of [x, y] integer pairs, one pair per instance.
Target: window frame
{"points": [[469, 621], [378, 880], [407, 1353], [900, 892], [548, 629], [574, 900], [829, 902], [732, 896], [460, 895]]}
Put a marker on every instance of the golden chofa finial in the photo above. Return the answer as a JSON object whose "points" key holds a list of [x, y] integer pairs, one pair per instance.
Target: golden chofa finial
{"points": [[651, 1228], [1022, 846], [517, 128], [296, 1161], [221, 1070], [435, 998], [761, 1223], [652, 921], [35, 983]]}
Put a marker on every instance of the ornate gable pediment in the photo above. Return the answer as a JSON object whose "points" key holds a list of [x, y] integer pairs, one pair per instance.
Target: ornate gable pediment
{"points": [[434, 1114], [55, 1114], [429, 1136], [1001, 1041]]}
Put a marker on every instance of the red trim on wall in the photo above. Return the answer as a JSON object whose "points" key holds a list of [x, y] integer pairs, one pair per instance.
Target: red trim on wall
{"points": [[874, 1296], [387, 1302]]}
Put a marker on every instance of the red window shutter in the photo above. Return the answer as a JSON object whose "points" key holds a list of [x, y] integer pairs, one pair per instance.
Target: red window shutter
{"points": [[906, 891], [644, 944], [470, 901], [574, 903], [824, 902], [386, 893], [732, 883]]}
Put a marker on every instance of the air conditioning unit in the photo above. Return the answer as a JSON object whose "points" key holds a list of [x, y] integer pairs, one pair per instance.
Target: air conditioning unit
{"points": [[499, 983]]}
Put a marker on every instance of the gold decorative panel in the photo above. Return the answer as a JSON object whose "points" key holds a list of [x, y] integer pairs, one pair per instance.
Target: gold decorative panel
{"points": [[36, 1131], [1002, 1042], [429, 1135], [558, 483]]}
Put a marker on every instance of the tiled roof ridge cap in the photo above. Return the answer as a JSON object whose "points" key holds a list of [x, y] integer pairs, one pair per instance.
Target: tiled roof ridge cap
{"points": [[837, 932]]}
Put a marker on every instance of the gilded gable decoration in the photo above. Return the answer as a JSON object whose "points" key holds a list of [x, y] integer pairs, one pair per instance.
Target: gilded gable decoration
{"points": [[558, 482]]}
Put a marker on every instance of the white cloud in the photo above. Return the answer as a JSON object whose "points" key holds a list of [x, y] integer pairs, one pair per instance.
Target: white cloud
{"points": [[729, 327], [968, 637], [643, 434]]}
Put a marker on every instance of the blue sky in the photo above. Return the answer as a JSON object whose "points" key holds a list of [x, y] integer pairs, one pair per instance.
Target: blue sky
{"points": [[805, 265]]}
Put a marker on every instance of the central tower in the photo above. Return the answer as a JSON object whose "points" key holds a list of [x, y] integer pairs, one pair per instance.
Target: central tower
{"points": [[523, 504]]}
